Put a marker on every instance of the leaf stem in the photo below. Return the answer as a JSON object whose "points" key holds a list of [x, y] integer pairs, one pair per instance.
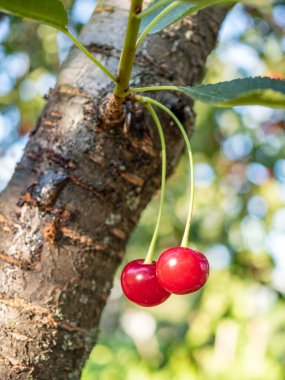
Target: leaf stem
{"points": [[155, 21], [129, 50], [89, 55], [185, 238], [148, 259], [153, 88]]}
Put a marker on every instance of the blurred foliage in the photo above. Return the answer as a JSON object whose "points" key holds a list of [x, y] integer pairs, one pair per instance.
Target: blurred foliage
{"points": [[234, 329]]}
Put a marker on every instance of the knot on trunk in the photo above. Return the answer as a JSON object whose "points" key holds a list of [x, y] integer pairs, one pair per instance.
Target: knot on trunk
{"points": [[112, 110]]}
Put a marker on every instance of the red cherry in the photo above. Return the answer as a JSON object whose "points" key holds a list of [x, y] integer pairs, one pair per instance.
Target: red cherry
{"points": [[182, 270], [140, 285]]}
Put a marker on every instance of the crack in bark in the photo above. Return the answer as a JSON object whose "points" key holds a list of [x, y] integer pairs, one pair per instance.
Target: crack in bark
{"points": [[85, 240], [10, 260]]}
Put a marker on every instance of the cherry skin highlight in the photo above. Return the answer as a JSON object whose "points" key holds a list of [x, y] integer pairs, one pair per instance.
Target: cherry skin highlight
{"points": [[182, 270], [140, 285]]}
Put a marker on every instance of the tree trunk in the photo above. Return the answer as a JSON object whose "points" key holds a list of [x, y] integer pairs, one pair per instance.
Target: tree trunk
{"points": [[79, 190]]}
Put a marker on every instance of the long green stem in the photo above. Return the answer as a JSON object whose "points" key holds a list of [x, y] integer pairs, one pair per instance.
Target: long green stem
{"points": [[89, 55], [152, 8], [185, 238], [153, 88], [129, 50], [155, 21], [148, 259]]}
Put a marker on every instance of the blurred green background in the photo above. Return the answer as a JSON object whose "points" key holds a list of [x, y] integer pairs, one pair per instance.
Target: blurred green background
{"points": [[234, 329]]}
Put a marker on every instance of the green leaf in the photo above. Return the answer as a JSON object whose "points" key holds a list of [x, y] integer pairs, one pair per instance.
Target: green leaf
{"points": [[153, 6], [240, 92], [50, 12], [183, 9]]}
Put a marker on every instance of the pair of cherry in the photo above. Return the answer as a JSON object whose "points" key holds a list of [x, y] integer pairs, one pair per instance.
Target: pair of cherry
{"points": [[179, 270]]}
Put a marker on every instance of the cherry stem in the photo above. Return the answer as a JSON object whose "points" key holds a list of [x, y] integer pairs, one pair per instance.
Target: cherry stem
{"points": [[148, 100], [148, 259]]}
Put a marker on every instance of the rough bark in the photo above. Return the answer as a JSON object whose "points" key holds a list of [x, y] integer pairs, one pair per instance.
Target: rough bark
{"points": [[79, 190]]}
